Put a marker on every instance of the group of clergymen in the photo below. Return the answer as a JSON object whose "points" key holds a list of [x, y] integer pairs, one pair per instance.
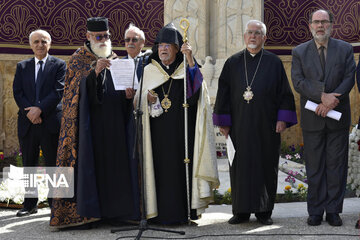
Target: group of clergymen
{"points": [[79, 120]]}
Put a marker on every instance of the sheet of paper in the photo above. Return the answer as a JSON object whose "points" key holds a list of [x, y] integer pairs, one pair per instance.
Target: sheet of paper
{"points": [[331, 114], [230, 150], [122, 73]]}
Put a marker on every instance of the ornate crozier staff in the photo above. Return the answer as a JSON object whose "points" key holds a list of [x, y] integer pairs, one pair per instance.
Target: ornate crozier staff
{"points": [[185, 27]]}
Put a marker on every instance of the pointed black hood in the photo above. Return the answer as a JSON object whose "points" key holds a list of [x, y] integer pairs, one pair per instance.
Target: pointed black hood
{"points": [[169, 34]]}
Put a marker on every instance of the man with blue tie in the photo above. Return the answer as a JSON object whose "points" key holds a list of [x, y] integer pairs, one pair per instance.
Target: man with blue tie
{"points": [[134, 42], [38, 88]]}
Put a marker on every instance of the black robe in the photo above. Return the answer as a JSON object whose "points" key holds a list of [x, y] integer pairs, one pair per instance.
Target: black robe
{"points": [[167, 136], [110, 112], [254, 170]]}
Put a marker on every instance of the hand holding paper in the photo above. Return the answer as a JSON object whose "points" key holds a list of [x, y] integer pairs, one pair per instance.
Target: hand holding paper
{"points": [[331, 114]]}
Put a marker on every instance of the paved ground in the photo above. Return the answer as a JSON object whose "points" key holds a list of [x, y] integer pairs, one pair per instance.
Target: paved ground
{"points": [[289, 223]]}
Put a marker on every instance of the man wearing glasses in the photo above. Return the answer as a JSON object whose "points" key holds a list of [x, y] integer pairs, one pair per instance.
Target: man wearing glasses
{"points": [[254, 104], [93, 136], [164, 134], [323, 72]]}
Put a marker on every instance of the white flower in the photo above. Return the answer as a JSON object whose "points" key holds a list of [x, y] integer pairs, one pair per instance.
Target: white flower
{"points": [[14, 191]]}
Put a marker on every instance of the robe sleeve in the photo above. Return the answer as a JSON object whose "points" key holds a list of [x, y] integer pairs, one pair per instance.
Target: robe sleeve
{"points": [[222, 114], [194, 80], [287, 110]]}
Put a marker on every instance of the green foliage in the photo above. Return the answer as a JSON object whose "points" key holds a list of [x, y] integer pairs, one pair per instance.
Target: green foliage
{"points": [[222, 199]]}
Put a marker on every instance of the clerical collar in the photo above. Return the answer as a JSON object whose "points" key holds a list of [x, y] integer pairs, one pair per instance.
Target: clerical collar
{"points": [[170, 68], [253, 54]]}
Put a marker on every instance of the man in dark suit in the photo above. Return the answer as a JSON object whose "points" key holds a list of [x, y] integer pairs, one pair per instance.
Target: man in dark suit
{"points": [[323, 72], [38, 88], [134, 42]]}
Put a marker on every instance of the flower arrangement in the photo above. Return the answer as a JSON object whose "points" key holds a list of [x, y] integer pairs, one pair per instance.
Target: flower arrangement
{"points": [[292, 152], [13, 192], [353, 179], [222, 199], [299, 195]]}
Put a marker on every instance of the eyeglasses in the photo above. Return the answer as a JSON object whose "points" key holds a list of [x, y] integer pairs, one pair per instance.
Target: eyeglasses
{"points": [[323, 22], [134, 40], [256, 33], [166, 46], [100, 37]]}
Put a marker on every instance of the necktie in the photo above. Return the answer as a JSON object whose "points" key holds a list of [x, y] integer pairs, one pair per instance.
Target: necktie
{"points": [[38, 81], [322, 58]]}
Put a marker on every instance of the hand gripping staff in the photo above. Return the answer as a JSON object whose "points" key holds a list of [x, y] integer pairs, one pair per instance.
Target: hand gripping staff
{"points": [[184, 25]]}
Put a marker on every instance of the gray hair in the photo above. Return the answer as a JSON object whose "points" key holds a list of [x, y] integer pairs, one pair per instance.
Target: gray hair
{"points": [[331, 16], [135, 29], [263, 26], [43, 32]]}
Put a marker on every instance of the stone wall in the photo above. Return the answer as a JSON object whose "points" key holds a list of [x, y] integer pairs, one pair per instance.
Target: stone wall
{"points": [[8, 108], [215, 33]]}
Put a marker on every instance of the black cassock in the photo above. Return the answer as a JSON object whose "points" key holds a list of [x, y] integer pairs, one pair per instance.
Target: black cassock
{"points": [[168, 147], [254, 170], [110, 112]]}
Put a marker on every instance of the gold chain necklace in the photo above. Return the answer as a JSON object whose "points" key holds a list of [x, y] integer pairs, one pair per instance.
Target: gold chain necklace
{"points": [[166, 103], [248, 94]]}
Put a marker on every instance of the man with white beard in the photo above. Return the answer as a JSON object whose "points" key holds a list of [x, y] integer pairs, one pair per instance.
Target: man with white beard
{"points": [[254, 104], [93, 136]]}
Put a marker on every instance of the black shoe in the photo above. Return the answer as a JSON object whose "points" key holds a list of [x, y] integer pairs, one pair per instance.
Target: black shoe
{"points": [[24, 212], [333, 219], [239, 218], [357, 224], [314, 220], [265, 220]]}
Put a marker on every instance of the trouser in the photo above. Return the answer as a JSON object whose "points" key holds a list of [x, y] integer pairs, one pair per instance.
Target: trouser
{"points": [[326, 159], [37, 136]]}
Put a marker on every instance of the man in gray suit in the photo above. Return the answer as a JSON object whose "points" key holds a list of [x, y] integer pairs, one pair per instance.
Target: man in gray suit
{"points": [[323, 72]]}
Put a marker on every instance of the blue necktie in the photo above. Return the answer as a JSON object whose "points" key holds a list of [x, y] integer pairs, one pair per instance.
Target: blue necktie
{"points": [[37, 83]]}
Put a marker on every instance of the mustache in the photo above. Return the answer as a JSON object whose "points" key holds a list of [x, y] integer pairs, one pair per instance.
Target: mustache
{"points": [[131, 46]]}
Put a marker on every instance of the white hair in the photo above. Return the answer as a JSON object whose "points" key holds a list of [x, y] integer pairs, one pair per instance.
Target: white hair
{"points": [[43, 32], [263, 26], [134, 28]]}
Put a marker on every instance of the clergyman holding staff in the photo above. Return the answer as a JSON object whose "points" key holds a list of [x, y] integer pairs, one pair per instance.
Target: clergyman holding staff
{"points": [[168, 192]]}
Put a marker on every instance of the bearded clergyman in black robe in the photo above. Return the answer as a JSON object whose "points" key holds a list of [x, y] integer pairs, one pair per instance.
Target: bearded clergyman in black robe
{"points": [[164, 136], [254, 104], [93, 137]]}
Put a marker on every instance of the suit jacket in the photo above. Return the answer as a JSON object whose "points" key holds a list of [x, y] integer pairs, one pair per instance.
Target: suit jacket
{"points": [[51, 91], [306, 75]]}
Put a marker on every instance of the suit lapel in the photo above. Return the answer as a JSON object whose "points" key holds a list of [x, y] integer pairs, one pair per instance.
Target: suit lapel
{"points": [[329, 62], [30, 71], [315, 59], [139, 68]]}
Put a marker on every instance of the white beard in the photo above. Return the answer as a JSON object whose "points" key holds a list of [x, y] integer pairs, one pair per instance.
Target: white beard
{"points": [[101, 51], [252, 46]]}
